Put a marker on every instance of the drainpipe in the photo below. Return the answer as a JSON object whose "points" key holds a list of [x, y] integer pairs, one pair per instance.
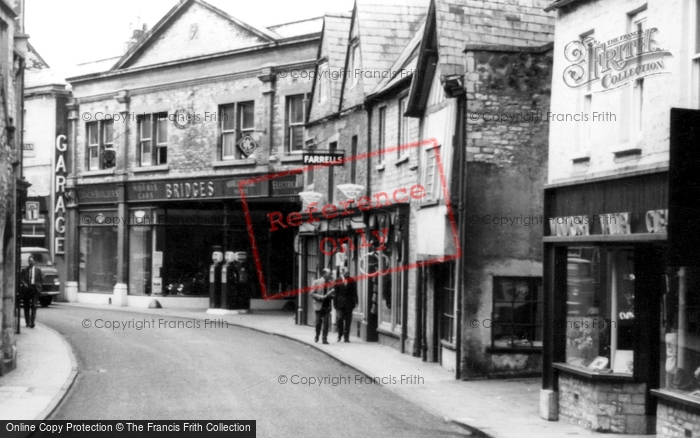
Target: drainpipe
{"points": [[460, 282]]}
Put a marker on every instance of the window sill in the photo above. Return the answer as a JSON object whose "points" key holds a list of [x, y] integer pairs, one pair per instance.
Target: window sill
{"points": [[379, 167], [584, 159], [514, 350], [592, 375], [386, 330], [627, 152], [449, 345], [292, 158], [402, 160], [428, 204], [159, 168], [103, 172], [675, 397], [234, 163]]}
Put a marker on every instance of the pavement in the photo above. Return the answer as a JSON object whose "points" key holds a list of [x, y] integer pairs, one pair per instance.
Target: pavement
{"points": [[46, 369]]}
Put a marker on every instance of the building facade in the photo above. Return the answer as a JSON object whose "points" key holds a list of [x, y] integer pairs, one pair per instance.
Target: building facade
{"points": [[620, 275], [159, 144], [13, 190], [444, 61]]}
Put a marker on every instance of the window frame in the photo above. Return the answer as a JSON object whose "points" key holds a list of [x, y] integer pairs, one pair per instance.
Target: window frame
{"points": [[432, 192], [153, 122], [536, 297], [238, 130], [100, 146], [404, 127], [290, 126], [354, 54]]}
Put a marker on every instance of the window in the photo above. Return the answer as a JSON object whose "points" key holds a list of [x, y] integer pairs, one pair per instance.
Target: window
{"points": [[354, 69], [332, 148], [600, 332], [430, 175], [381, 143], [323, 82], [295, 123], [445, 285], [517, 312], [237, 120], [353, 163], [680, 326], [100, 137], [404, 127], [153, 139]]}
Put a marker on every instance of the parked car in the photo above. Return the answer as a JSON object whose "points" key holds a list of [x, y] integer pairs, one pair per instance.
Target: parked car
{"points": [[51, 285]]}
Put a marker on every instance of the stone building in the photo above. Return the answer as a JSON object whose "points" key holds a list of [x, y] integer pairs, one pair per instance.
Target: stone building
{"points": [[13, 52], [621, 262], [445, 61], [158, 144]]}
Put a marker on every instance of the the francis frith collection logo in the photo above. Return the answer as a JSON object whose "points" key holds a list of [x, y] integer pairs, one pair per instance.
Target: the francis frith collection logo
{"points": [[615, 62]]}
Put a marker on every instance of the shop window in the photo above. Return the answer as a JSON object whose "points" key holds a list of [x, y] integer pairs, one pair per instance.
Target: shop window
{"points": [[237, 121], [517, 312], [600, 333], [97, 270], [295, 123], [153, 139], [429, 176], [445, 288], [680, 325], [100, 144]]}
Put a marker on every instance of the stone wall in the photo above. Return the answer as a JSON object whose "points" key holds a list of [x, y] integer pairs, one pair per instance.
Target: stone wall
{"points": [[604, 406], [676, 421]]}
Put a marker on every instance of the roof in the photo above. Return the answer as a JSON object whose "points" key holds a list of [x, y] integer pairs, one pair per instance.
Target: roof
{"points": [[263, 35], [43, 77], [298, 28], [335, 36], [385, 28], [406, 63]]}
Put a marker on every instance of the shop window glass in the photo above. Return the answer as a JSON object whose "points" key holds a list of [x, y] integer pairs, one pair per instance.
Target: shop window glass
{"points": [[140, 260], [600, 309], [517, 312], [680, 337], [97, 265]]}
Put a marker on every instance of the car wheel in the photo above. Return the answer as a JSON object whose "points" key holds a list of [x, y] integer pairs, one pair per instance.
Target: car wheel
{"points": [[45, 301]]}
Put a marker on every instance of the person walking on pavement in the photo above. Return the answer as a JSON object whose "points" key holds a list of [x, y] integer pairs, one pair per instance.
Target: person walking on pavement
{"points": [[344, 300], [322, 304], [31, 288]]}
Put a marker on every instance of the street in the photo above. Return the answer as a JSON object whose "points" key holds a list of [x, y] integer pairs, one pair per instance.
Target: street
{"points": [[218, 372]]}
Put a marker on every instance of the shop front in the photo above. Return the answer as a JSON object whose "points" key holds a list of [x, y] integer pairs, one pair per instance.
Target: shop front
{"points": [[605, 280], [170, 229]]}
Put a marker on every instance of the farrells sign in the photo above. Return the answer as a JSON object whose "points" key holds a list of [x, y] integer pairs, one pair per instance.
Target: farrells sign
{"points": [[329, 158], [615, 62]]}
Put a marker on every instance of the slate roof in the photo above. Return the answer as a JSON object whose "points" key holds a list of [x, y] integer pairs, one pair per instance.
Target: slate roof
{"points": [[336, 30], [406, 62], [385, 28], [298, 28]]}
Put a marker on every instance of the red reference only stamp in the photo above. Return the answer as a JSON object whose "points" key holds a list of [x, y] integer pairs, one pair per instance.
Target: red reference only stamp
{"points": [[313, 213]]}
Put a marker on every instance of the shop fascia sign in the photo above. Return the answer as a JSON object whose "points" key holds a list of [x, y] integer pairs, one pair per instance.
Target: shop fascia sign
{"points": [[614, 62], [610, 224]]}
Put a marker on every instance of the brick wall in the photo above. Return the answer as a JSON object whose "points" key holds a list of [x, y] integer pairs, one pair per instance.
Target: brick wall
{"points": [[604, 406], [676, 421]]}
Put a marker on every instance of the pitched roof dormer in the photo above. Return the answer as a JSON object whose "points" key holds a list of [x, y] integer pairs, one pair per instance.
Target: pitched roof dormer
{"points": [[379, 33]]}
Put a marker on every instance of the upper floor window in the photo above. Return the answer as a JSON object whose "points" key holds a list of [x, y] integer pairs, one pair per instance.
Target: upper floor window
{"points": [[153, 139], [381, 139], [237, 121], [354, 70], [100, 144], [323, 82], [404, 127], [295, 123], [430, 174]]}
